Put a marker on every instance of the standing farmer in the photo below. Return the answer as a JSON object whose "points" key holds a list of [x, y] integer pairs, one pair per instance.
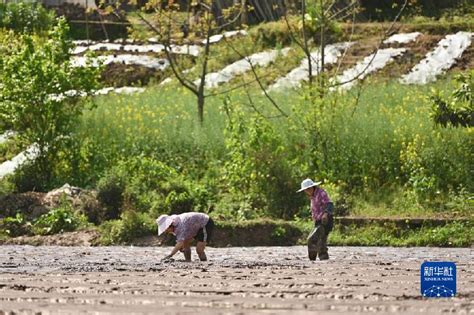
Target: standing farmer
{"points": [[322, 214], [186, 227]]}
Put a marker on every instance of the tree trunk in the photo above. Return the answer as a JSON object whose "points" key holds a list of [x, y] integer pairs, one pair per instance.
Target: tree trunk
{"points": [[305, 43], [200, 104], [202, 83], [245, 13], [323, 46]]}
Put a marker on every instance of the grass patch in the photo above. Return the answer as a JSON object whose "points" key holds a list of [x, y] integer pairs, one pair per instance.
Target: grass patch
{"points": [[382, 156], [455, 234]]}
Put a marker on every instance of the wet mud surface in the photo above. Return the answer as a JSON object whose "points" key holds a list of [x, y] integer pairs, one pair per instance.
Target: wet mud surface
{"points": [[236, 280]]}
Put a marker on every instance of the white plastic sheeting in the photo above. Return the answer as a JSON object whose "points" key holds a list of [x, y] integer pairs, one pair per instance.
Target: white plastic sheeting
{"points": [[217, 38], [370, 64], [261, 59], [8, 167], [440, 59], [294, 77], [213, 39], [192, 50], [402, 38], [120, 90], [104, 91], [141, 60]]}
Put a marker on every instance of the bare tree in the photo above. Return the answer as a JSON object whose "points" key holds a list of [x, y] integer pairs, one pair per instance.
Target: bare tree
{"points": [[205, 20], [319, 20]]}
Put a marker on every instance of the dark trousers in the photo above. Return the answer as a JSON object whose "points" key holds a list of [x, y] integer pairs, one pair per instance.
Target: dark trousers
{"points": [[321, 237]]}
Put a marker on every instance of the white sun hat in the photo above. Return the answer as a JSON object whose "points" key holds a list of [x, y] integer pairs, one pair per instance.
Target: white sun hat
{"points": [[164, 222], [308, 183]]}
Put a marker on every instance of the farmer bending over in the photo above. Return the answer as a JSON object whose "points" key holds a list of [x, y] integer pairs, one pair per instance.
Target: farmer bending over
{"points": [[322, 214], [186, 227]]}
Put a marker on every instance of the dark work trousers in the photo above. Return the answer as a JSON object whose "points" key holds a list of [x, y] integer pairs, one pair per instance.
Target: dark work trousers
{"points": [[322, 242]]}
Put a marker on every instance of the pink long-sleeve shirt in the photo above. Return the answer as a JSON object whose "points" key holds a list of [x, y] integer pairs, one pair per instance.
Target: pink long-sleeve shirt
{"points": [[188, 224], [319, 201]]}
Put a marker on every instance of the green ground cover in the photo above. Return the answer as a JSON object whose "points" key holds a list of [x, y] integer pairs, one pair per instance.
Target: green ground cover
{"points": [[375, 147], [382, 156]]}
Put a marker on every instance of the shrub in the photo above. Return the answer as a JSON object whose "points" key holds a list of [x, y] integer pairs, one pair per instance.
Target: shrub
{"points": [[62, 219], [9, 149], [458, 111], [15, 226], [6, 188], [32, 70], [143, 184], [131, 226], [178, 202], [256, 170], [25, 17], [110, 194], [454, 234]]}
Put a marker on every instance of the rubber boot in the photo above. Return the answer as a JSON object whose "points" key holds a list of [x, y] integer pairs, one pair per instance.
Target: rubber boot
{"points": [[323, 253], [202, 256], [314, 242], [187, 254]]}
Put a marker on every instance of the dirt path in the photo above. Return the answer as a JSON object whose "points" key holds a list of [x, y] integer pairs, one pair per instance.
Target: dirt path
{"points": [[254, 280]]}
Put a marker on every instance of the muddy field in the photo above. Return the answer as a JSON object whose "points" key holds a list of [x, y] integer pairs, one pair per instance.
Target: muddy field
{"points": [[253, 280]]}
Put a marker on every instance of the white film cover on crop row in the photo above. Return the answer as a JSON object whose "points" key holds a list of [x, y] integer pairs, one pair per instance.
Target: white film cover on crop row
{"points": [[440, 59], [261, 59], [293, 79], [371, 63], [192, 50], [402, 38], [8, 167], [126, 59]]}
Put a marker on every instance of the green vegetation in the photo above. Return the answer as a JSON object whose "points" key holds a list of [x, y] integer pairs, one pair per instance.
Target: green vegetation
{"points": [[382, 149], [25, 17], [36, 75], [455, 234], [15, 226], [130, 226], [459, 109], [60, 219]]}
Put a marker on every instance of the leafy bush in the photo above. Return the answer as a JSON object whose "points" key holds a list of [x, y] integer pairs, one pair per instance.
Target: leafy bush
{"points": [[143, 184], [458, 110], [131, 225], [178, 202], [36, 75], [15, 226], [110, 193], [62, 219], [6, 188], [25, 17], [256, 171]]}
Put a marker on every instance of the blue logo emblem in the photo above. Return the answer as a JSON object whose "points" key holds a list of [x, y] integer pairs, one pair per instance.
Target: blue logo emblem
{"points": [[438, 279]]}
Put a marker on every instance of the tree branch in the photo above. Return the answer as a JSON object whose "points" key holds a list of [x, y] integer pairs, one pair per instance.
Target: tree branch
{"points": [[257, 78], [376, 50]]}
